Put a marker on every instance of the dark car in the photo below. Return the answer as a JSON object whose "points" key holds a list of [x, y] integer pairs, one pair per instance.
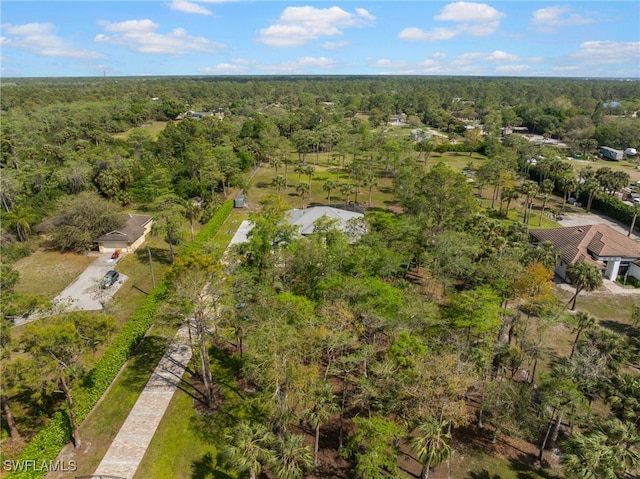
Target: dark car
{"points": [[109, 278]]}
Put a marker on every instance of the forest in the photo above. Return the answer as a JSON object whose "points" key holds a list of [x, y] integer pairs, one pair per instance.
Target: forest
{"points": [[438, 334]]}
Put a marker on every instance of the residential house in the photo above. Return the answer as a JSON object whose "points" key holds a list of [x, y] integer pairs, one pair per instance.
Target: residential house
{"points": [[397, 120], [613, 252], [128, 237], [305, 219], [346, 220]]}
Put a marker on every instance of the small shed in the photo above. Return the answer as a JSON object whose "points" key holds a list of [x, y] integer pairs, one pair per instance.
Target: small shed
{"points": [[240, 201]]}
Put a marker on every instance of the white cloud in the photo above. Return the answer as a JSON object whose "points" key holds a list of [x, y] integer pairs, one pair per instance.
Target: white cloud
{"points": [[298, 25], [189, 7], [608, 53], [469, 12], [518, 69], [301, 65], [550, 18], [414, 34], [142, 36], [390, 64], [496, 56], [40, 38], [225, 69], [475, 19], [500, 56], [335, 45]]}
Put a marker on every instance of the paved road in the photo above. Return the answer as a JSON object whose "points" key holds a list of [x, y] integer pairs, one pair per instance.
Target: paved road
{"points": [[129, 446]]}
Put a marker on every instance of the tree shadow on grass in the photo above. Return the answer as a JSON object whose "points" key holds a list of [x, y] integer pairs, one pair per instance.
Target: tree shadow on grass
{"points": [[620, 327], [205, 468], [484, 474], [524, 469], [158, 255]]}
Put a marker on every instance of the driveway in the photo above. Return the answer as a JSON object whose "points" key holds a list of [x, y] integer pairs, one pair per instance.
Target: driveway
{"points": [[84, 293], [583, 219]]}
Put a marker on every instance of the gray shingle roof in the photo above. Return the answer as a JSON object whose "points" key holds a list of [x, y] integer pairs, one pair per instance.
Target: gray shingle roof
{"points": [[130, 231]]}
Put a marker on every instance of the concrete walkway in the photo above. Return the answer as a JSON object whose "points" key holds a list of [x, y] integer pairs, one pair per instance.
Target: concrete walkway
{"points": [[129, 446]]}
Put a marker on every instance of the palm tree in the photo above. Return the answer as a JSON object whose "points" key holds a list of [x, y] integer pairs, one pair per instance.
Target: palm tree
{"points": [[608, 451], [585, 277], [309, 171], [592, 187], [302, 189], [582, 322], [192, 211], [346, 189], [322, 405], [249, 448], [370, 181], [279, 182], [508, 195], [546, 189], [276, 163], [328, 186], [432, 445], [293, 457], [530, 189]]}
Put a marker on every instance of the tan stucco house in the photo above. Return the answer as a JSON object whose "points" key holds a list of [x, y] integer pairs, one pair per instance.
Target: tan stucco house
{"points": [[128, 237]]}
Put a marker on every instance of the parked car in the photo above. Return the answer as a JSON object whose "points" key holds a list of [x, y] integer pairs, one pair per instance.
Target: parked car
{"points": [[109, 278]]}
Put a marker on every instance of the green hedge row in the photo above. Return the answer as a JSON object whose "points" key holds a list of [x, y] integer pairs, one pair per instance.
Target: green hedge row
{"points": [[46, 445]]}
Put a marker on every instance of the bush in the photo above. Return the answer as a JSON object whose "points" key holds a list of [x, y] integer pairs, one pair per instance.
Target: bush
{"points": [[46, 445]]}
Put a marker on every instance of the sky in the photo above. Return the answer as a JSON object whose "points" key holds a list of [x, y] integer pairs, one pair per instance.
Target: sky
{"points": [[583, 39]]}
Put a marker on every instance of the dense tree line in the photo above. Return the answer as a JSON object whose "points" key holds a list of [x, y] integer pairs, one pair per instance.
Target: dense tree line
{"points": [[394, 339]]}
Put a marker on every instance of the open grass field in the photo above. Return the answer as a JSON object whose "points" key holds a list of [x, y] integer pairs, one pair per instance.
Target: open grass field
{"points": [[152, 129], [186, 444], [328, 168], [46, 273]]}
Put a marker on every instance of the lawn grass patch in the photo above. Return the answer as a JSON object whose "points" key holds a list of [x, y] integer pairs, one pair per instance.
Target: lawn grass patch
{"points": [[152, 129], [48, 273], [472, 462], [187, 443]]}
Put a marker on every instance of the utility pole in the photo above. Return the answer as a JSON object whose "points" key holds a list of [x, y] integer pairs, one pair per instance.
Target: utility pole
{"points": [[153, 278]]}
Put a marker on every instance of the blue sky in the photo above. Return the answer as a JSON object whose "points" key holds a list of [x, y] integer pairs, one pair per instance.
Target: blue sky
{"points": [[217, 37]]}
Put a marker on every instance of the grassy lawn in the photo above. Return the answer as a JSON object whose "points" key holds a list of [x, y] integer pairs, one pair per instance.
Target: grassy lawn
{"points": [[153, 130], [475, 463], [47, 273], [186, 444]]}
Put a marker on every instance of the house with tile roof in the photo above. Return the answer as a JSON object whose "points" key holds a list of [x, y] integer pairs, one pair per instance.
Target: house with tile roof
{"points": [[613, 252], [128, 237]]}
